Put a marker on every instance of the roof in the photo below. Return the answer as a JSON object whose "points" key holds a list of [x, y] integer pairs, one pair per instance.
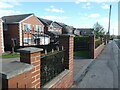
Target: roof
{"points": [[85, 29], [15, 18], [1, 20], [61, 24], [45, 21], [56, 25], [49, 22]]}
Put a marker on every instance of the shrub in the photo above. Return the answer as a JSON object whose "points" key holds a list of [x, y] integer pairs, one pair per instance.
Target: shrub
{"points": [[98, 43], [81, 43], [81, 39]]}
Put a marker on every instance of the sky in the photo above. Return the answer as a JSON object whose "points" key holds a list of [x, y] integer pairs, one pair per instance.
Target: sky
{"points": [[76, 13]]}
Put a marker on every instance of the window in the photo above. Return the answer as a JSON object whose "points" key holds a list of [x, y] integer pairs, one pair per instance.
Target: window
{"points": [[27, 27], [27, 41], [51, 27], [38, 28]]}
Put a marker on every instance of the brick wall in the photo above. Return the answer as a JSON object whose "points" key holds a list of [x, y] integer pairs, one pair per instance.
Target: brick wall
{"points": [[20, 81], [32, 57], [98, 50], [92, 46], [65, 82], [31, 79], [94, 52]]}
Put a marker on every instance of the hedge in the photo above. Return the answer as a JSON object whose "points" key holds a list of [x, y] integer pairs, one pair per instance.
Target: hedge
{"points": [[98, 43], [81, 43]]}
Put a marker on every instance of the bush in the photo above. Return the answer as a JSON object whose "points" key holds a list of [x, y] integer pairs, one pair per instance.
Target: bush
{"points": [[81, 39], [98, 43], [81, 43]]}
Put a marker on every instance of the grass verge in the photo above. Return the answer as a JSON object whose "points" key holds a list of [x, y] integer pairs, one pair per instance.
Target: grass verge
{"points": [[10, 55]]}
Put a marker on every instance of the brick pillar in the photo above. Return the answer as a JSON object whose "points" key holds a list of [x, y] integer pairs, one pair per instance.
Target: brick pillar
{"points": [[67, 41], [31, 56], [92, 46]]}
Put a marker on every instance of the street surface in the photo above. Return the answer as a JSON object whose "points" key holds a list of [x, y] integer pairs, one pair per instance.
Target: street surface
{"points": [[103, 73]]}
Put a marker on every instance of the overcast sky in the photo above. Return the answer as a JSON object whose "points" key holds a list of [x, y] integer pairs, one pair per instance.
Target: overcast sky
{"points": [[77, 13]]}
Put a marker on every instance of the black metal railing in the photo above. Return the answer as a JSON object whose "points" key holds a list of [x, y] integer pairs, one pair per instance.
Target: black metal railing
{"points": [[51, 66]]}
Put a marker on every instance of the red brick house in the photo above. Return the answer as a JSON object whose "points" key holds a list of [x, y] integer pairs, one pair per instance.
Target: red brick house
{"points": [[66, 29], [21, 30], [1, 37], [51, 28]]}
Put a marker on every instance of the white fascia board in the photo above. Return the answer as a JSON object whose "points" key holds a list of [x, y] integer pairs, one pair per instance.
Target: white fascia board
{"points": [[26, 18], [40, 21]]}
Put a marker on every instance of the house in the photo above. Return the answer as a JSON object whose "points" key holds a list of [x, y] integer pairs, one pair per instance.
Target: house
{"points": [[65, 28], [84, 31], [1, 37], [55, 28], [46, 23], [22, 30], [51, 28], [77, 32]]}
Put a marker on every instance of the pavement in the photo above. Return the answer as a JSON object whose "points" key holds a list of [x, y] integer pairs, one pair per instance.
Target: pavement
{"points": [[80, 68], [101, 72]]}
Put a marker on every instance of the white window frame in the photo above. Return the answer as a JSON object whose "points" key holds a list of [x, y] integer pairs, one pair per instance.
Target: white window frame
{"points": [[26, 24], [27, 41], [51, 28], [39, 27]]}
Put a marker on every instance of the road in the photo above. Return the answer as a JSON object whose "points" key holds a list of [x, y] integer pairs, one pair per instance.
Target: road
{"points": [[104, 71]]}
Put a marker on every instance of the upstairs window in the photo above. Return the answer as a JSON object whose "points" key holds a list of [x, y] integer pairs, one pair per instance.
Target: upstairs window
{"points": [[27, 27], [51, 28], [38, 28]]}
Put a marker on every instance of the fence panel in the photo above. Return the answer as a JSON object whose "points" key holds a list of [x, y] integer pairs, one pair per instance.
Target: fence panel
{"points": [[51, 66]]}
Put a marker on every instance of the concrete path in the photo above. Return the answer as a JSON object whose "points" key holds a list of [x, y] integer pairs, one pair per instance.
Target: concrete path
{"points": [[104, 71], [80, 67]]}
